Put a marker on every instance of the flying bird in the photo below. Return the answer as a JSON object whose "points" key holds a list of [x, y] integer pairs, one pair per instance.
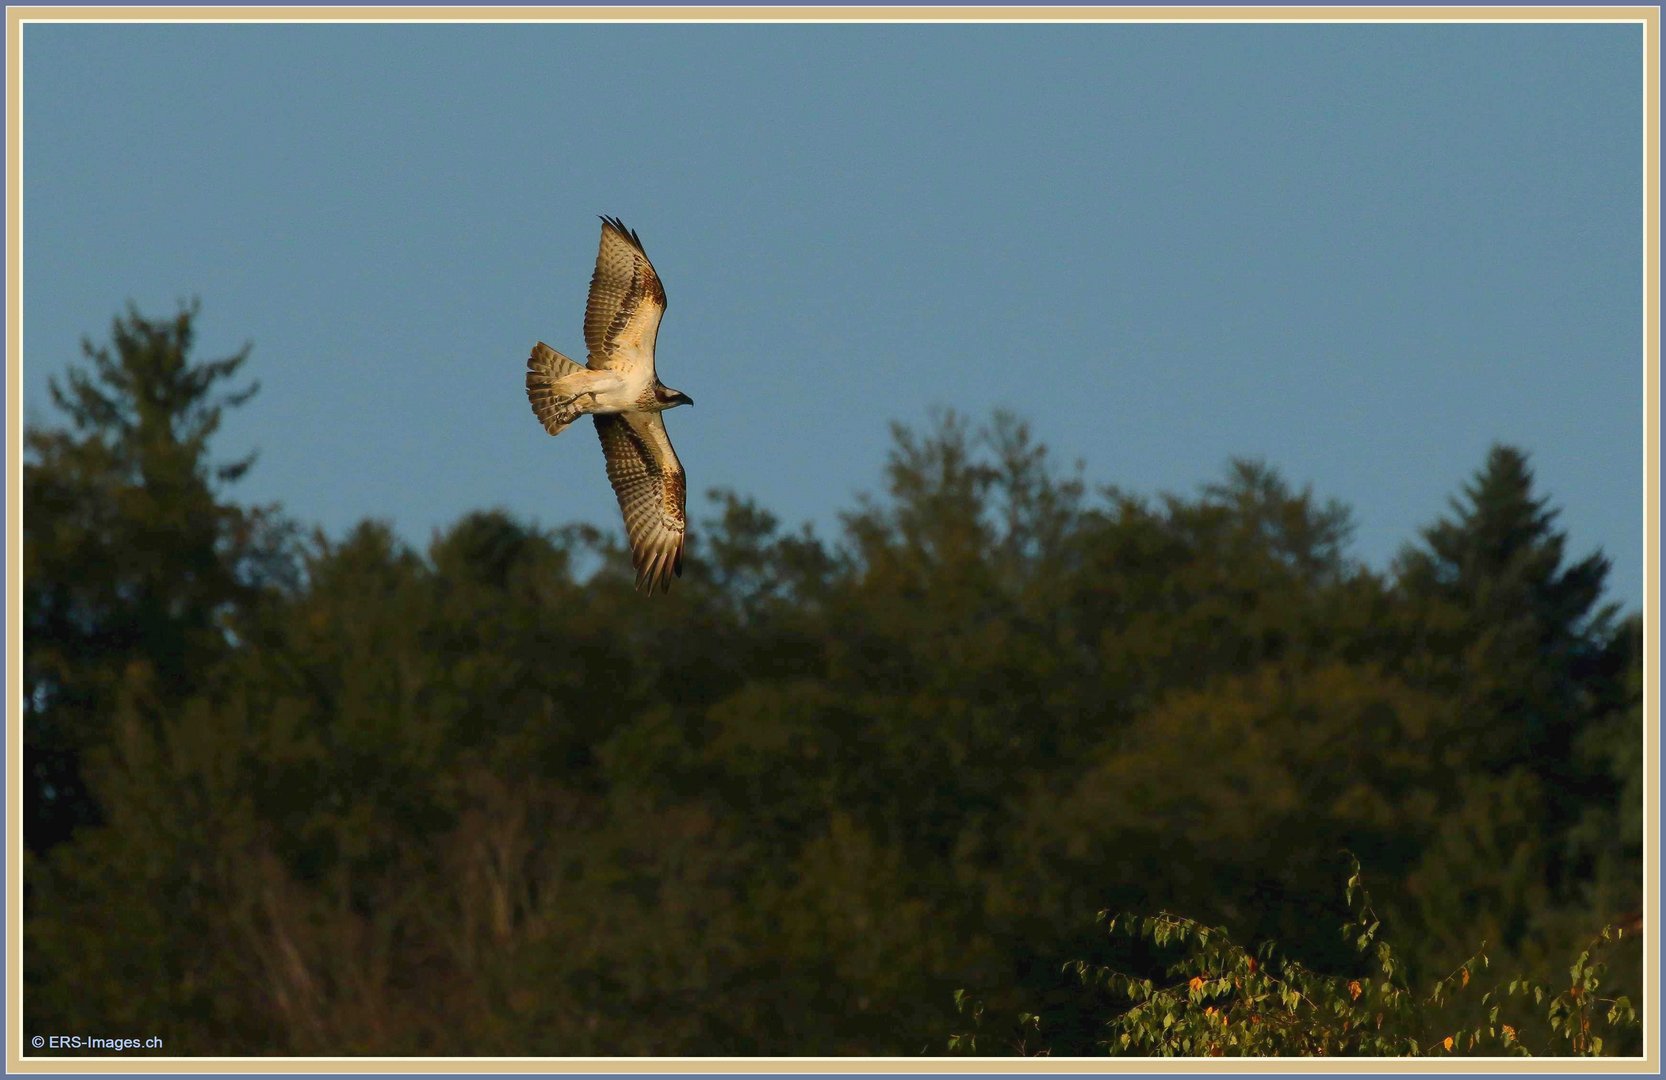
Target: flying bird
{"points": [[622, 393]]}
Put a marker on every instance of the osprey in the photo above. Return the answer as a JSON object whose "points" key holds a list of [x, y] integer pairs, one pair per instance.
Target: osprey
{"points": [[621, 392]]}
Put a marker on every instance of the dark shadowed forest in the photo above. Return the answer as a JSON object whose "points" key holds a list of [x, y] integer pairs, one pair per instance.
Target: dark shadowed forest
{"points": [[864, 794]]}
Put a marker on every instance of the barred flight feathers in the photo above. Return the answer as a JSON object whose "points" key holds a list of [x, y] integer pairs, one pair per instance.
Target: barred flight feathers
{"points": [[648, 480], [621, 317]]}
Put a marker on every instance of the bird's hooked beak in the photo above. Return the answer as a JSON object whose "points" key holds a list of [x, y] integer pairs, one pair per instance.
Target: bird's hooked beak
{"points": [[681, 398]]}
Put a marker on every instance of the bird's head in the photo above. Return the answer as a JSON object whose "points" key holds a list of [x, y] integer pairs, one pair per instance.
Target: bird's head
{"points": [[672, 398]]}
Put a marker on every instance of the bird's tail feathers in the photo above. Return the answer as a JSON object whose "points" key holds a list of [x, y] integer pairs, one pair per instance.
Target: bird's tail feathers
{"points": [[544, 368]]}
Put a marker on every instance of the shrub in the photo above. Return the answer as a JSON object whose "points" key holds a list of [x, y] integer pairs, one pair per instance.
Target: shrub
{"points": [[1220, 999]]}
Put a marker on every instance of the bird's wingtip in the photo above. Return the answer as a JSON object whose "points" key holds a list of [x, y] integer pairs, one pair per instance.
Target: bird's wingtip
{"points": [[619, 227]]}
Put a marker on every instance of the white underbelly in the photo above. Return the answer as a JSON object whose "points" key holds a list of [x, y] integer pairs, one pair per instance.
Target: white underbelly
{"points": [[622, 392], [617, 393]]}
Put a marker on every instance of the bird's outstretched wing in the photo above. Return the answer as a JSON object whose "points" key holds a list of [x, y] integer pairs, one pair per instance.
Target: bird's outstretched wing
{"points": [[648, 479], [621, 318]]}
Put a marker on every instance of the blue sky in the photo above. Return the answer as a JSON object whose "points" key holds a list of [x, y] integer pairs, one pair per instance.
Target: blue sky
{"points": [[1362, 253]]}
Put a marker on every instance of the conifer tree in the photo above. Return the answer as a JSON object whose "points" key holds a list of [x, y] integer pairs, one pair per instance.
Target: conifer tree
{"points": [[1520, 632], [137, 575]]}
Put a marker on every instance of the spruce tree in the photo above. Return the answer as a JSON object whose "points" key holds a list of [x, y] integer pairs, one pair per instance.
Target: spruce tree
{"points": [[1522, 640], [137, 576]]}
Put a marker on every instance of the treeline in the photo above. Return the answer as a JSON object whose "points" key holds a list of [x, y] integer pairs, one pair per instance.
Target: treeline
{"points": [[294, 794]]}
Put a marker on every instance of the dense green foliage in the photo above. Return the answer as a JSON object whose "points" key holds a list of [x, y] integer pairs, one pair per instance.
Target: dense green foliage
{"points": [[338, 796]]}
